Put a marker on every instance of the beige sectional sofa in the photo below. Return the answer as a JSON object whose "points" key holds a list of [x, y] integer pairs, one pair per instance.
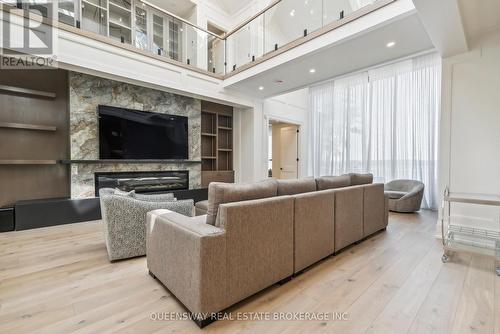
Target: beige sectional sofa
{"points": [[256, 235]]}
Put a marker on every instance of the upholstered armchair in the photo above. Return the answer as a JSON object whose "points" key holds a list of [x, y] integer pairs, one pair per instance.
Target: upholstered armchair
{"points": [[405, 195], [124, 220]]}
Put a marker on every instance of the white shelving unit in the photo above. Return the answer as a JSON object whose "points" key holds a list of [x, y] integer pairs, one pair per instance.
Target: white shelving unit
{"points": [[465, 234]]}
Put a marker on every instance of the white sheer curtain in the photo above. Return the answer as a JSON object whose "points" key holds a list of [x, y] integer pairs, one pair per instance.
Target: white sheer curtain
{"points": [[384, 121]]}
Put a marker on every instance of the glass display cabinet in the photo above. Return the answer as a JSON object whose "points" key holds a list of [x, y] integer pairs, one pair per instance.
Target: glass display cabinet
{"points": [[120, 20], [95, 16]]}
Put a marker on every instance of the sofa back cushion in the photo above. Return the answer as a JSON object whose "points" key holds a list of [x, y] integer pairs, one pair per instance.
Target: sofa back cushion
{"points": [[360, 179], [293, 187], [220, 193], [333, 182]]}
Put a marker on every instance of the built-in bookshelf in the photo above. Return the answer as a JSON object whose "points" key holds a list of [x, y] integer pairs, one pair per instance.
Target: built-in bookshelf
{"points": [[216, 143]]}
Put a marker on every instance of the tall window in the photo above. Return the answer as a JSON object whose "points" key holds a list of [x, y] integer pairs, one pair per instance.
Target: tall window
{"points": [[384, 121]]}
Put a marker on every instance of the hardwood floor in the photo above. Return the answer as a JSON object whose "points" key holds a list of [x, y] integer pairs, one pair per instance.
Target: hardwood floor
{"points": [[58, 280]]}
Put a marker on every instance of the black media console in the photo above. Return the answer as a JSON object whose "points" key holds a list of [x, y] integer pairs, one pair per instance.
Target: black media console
{"points": [[60, 211]]}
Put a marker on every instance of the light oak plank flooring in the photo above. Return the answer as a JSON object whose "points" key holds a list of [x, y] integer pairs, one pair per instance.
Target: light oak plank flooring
{"points": [[58, 280]]}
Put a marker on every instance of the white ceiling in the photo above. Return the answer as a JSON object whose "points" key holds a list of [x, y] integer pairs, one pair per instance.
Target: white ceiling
{"points": [[480, 17], [231, 6], [366, 50], [180, 8]]}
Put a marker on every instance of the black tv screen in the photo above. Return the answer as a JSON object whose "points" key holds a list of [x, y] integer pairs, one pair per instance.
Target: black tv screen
{"points": [[134, 134]]}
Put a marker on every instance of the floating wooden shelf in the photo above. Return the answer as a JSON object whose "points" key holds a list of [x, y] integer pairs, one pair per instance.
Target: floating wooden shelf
{"points": [[19, 90], [27, 126], [28, 162]]}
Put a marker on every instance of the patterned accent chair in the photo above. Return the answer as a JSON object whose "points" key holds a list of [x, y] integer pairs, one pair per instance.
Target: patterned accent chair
{"points": [[124, 219], [405, 195]]}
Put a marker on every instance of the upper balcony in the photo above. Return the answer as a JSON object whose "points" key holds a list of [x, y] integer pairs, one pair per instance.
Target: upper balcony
{"points": [[235, 58]]}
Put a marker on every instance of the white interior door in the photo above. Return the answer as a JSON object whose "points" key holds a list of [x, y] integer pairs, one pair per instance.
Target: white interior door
{"points": [[288, 153]]}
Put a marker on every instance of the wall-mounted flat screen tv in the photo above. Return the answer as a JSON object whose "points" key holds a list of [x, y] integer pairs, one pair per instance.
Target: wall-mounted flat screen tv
{"points": [[133, 134]]}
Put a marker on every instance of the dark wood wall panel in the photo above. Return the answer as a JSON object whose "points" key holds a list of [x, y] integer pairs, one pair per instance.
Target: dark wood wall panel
{"points": [[26, 180]]}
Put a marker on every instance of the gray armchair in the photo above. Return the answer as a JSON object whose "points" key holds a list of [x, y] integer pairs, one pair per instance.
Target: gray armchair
{"points": [[124, 220], [405, 195]]}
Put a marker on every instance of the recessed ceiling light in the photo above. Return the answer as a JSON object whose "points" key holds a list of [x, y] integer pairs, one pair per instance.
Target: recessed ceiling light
{"points": [[390, 44], [261, 88], [292, 13], [312, 70]]}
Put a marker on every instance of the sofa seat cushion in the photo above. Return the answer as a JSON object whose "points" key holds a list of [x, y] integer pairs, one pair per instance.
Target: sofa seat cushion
{"points": [[333, 182], [393, 194], [360, 179], [294, 187], [201, 208], [220, 193]]}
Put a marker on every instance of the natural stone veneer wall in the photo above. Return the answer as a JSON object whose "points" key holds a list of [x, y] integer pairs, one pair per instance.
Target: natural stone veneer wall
{"points": [[88, 92]]}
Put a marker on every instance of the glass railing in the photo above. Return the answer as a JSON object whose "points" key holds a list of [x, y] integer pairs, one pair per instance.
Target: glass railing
{"points": [[142, 25], [149, 28], [283, 23]]}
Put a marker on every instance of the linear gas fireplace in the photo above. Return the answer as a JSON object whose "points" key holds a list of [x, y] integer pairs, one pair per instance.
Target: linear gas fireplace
{"points": [[143, 182]]}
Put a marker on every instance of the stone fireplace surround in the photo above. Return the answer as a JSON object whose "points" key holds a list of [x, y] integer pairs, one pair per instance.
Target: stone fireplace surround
{"points": [[87, 93]]}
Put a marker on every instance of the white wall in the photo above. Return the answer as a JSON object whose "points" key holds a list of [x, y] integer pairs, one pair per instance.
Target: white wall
{"points": [[291, 108], [248, 143], [470, 124], [253, 125]]}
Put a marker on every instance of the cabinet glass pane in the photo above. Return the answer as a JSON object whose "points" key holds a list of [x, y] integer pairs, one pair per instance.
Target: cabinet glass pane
{"points": [[38, 7], [158, 38], [141, 30], [175, 31], [66, 12], [126, 4], [94, 17], [100, 3], [119, 16], [120, 21]]}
